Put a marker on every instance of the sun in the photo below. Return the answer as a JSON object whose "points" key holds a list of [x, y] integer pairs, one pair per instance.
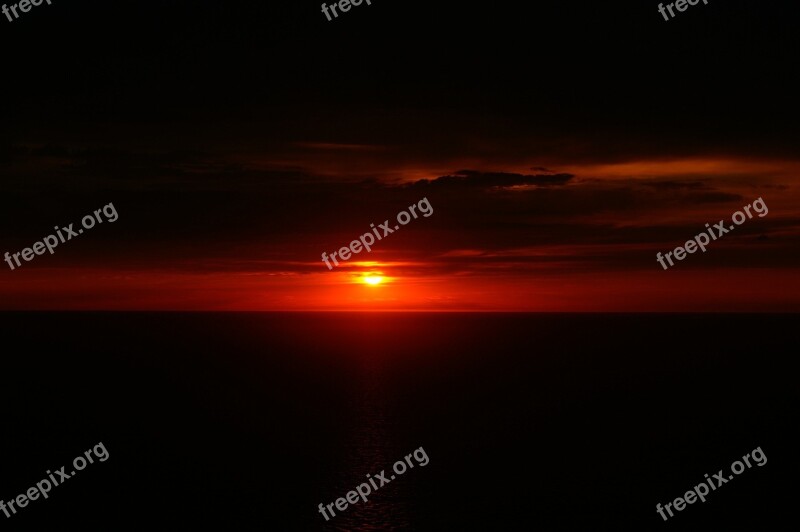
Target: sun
{"points": [[372, 279]]}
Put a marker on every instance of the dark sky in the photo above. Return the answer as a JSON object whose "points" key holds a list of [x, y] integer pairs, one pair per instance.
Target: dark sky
{"points": [[569, 68], [248, 137]]}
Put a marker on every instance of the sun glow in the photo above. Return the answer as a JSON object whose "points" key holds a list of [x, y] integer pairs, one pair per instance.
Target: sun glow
{"points": [[372, 279]]}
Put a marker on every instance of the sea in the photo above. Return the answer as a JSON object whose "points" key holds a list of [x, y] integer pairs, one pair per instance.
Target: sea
{"points": [[250, 421]]}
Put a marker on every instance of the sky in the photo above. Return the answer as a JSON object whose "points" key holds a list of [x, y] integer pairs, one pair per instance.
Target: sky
{"points": [[561, 146]]}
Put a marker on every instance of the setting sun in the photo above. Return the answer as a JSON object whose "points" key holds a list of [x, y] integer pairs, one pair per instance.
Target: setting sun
{"points": [[372, 279]]}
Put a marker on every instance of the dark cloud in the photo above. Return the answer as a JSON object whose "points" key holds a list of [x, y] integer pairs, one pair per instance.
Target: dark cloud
{"points": [[676, 185], [185, 209], [474, 178]]}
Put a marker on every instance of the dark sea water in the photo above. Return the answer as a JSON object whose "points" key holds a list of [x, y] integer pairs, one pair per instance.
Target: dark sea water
{"points": [[247, 421]]}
